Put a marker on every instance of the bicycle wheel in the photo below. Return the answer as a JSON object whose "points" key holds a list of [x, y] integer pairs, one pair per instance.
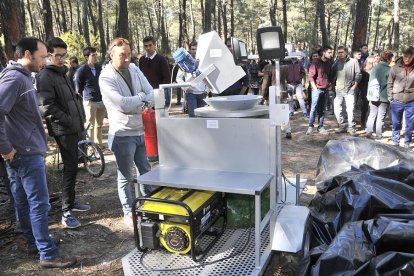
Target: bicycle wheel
{"points": [[94, 159]]}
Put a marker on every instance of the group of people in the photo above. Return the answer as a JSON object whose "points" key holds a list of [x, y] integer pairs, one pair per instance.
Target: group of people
{"points": [[351, 79], [341, 85], [71, 101]]}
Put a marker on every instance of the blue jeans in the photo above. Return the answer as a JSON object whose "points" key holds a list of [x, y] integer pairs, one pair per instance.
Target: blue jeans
{"points": [[397, 110], [318, 105], [377, 113], [194, 101], [27, 176], [129, 151]]}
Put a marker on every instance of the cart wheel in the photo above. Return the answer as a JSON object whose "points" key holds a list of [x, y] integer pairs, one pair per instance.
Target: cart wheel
{"points": [[94, 159]]}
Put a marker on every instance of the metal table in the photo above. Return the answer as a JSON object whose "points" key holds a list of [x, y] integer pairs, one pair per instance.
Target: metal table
{"points": [[220, 181]]}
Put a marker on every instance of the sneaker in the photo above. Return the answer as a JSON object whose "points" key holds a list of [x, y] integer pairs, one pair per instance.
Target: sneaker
{"points": [[288, 135], [291, 114], [352, 132], [407, 146], [128, 221], [58, 262], [306, 115], [340, 130], [369, 135], [70, 221], [79, 207], [309, 131], [322, 130]]}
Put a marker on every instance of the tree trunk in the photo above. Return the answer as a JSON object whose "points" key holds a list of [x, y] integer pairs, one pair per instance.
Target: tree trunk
{"points": [[101, 31], [315, 30], [224, 18], [22, 17], [219, 19], [183, 39], [361, 23], [202, 15], [337, 32], [165, 47], [207, 16], [272, 4], [47, 19], [92, 17], [322, 23], [396, 16], [57, 17], [369, 24], [231, 17], [9, 11], [70, 15], [374, 45], [285, 20], [29, 10], [85, 23], [78, 10], [64, 23], [348, 25], [192, 20], [123, 30], [149, 18]]}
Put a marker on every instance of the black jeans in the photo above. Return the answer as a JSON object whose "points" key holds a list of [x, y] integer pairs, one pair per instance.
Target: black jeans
{"points": [[68, 146]]}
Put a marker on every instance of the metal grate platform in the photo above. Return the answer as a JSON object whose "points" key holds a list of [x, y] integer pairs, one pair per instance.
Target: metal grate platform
{"points": [[231, 242]]}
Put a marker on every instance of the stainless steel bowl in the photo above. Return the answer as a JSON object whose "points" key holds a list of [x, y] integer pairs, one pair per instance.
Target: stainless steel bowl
{"points": [[235, 102]]}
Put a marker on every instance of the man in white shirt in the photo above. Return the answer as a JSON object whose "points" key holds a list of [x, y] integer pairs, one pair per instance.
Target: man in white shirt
{"points": [[194, 95]]}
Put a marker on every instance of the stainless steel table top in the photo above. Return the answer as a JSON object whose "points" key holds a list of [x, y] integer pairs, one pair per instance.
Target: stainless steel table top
{"points": [[209, 112], [220, 181]]}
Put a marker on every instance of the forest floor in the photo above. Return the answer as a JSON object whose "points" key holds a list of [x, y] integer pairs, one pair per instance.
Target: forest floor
{"points": [[102, 240]]}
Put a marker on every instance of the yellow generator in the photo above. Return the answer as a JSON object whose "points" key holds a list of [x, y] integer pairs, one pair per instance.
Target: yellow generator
{"points": [[177, 219]]}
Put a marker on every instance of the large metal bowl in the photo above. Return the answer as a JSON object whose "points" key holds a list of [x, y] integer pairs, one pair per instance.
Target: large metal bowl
{"points": [[235, 102]]}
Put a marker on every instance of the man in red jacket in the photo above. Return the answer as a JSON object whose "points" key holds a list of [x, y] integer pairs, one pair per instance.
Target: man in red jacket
{"points": [[320, 77]]}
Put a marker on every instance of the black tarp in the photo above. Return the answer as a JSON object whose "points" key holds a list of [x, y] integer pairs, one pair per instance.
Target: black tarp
{"points": [[359, 180], [372, 247]]}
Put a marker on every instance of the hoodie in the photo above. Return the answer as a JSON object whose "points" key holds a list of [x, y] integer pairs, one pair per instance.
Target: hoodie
{"points": [[21, 124], [400, 83]]}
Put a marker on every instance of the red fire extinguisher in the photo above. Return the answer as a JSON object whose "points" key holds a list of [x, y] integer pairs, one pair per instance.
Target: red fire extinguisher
{"points": [[150, 134]]}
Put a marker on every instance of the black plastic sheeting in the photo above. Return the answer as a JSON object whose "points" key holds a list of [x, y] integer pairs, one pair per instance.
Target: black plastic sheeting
{"points": [[372, 247], [359, 181]]}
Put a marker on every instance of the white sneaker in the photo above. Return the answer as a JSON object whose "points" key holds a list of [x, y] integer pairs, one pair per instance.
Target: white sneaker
{"points": [[309, 131]]}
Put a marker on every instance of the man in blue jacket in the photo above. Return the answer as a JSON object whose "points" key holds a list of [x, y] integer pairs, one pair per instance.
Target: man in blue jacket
{"points": [[23, 145], [86, 82]]}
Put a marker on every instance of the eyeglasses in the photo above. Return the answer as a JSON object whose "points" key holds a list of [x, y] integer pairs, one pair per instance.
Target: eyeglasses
{"points": [[59, 56], [341, 52], [119, 42]]}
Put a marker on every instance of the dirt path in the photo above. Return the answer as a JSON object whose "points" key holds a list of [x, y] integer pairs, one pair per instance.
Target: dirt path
{"points": [[102, 240]]}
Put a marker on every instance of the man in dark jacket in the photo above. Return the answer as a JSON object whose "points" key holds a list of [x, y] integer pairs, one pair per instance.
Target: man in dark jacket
{"points": [[65, 120], [23, 146], [401, 96], [87, 85], [155, 67]]}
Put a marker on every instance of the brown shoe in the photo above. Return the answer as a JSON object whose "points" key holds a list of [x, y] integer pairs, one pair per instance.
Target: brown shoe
{"points": [[58, 262]]}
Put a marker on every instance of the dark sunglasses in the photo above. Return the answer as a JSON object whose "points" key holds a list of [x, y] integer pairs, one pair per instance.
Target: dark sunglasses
{"points": [[119, 42]]}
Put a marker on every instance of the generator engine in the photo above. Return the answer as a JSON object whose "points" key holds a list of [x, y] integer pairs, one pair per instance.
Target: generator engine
{"points": [[177, 218]]}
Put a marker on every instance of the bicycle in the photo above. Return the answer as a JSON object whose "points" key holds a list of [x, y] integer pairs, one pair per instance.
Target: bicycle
{"points": [[91, 155]]}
